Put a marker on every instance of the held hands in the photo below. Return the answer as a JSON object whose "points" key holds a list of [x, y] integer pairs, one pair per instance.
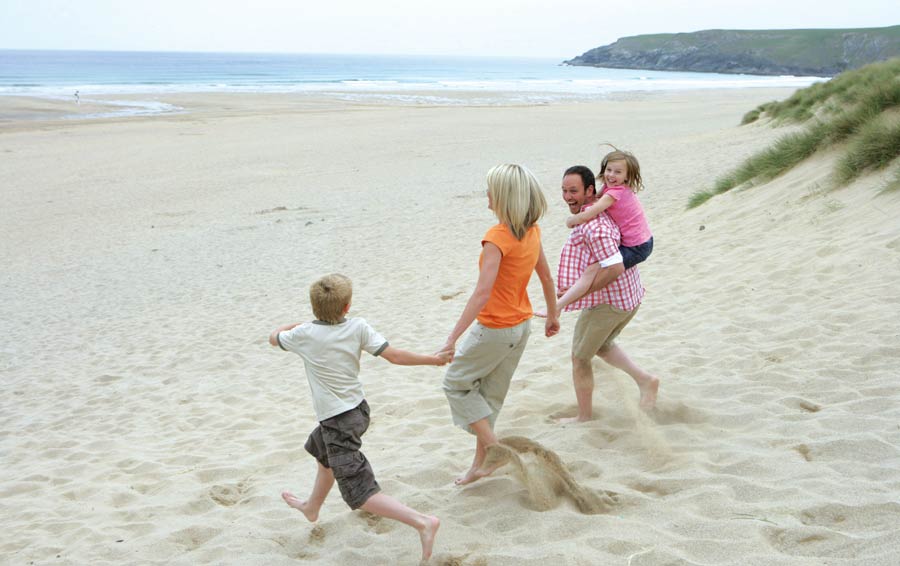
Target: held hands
{"points": [[446, 351], [444, 357]]}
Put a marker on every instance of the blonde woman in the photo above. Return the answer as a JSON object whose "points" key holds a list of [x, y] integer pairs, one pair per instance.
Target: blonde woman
{"points": [[478, 379]]}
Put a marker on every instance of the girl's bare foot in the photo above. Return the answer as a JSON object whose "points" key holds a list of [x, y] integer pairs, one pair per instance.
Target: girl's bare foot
{"points": [[427, 534], [312, 515]]}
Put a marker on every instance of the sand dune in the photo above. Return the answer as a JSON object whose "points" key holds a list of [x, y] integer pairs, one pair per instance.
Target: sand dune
{"points": [[144, 419]]}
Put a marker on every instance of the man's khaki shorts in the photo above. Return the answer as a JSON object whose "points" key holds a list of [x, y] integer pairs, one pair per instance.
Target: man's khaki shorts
{"points": [[597, 328]]}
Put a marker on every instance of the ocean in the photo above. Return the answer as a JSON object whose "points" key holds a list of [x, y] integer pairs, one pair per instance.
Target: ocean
{"points": [[402, 79]]}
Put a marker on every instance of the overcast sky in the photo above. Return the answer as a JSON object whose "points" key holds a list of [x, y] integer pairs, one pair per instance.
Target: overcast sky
{"points": [[531, 28]]}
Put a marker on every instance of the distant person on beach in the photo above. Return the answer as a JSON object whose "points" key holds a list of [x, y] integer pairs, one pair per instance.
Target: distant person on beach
{"points": [[77, 98], [478, 378], [594, 248], [331, 347], [621, 176]]}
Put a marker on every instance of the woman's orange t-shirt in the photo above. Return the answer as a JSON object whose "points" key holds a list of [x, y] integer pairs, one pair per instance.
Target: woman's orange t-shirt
{"points": [[509, 304]]}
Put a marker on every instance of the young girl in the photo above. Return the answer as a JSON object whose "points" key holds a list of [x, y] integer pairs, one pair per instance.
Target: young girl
{"points": [[621, 176]]}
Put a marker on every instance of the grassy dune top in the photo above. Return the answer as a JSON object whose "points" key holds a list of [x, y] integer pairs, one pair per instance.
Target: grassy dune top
{"points": [[857, 111]]}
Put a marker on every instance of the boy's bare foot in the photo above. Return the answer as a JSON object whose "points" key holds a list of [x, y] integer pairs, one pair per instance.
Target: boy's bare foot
{"points": [[649, 390], [312, 515], [427, 535], [496, 457]]}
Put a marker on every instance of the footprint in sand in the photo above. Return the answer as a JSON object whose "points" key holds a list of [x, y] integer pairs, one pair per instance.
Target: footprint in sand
{"points": [[806, 541], [227, 495], [804, 451], [451, 560], [194, 537], [376, 524], [809, 406], [317, 535]]}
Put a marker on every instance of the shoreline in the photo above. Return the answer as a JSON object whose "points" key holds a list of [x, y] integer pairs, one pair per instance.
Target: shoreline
{"points": [[17, 111]]}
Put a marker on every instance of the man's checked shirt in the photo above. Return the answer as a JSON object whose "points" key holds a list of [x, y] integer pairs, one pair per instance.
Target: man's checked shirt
{"points": [[589, 243]]}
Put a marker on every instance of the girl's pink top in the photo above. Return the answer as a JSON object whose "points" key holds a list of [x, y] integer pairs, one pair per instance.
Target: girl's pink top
{"points": [[628, 214]]}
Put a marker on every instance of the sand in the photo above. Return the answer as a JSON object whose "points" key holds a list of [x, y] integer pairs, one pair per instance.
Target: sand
{"points": [[145, 420]]}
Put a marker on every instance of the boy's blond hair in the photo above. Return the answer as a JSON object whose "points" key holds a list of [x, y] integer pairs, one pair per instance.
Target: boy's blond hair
{"points": [[516, 197], [634, 180], [329, 296]]}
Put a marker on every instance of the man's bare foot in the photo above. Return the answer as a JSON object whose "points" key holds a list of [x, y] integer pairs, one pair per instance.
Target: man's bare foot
{"points": [[312, 515], [427, 534], [571, 420], [649, 390], [496, 457]]}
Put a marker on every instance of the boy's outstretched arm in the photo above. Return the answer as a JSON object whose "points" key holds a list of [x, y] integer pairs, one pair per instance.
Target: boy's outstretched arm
{"points": [[404, 358], [590, 212], [273, 337]]}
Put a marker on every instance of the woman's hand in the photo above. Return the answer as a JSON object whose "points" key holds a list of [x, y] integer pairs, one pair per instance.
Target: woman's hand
{"points": [[551, 326], [449, 348], [444, 357]]}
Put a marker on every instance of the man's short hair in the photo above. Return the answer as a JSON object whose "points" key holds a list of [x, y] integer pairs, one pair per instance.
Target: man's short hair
{"points": [[587, 176], [329, 295]]}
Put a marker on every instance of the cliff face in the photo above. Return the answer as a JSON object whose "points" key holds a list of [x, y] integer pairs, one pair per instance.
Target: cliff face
{"points": [[814, 52]]}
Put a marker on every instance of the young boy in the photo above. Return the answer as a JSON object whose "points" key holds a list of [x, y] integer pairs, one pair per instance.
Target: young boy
{"points": [[331, 347]]}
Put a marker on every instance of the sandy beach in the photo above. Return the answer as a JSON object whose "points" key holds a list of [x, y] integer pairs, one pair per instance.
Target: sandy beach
{"points": [[144, 419]]}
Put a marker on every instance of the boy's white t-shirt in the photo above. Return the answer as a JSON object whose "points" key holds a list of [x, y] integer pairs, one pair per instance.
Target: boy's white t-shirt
{"points": [[331, 352]]}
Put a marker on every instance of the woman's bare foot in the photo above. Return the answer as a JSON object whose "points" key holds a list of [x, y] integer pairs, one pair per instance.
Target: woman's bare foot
{"points": [[303, 506], [427, 535], [496, 456], [473, 475], [649, 389]]}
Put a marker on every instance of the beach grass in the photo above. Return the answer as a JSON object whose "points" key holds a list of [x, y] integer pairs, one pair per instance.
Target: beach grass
{"points": [[876, 146], [828, 97], [856, 108]]}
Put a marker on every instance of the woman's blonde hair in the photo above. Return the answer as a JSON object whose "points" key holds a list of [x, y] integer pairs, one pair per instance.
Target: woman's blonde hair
{"points": [[516, 197], [329, 296]]}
